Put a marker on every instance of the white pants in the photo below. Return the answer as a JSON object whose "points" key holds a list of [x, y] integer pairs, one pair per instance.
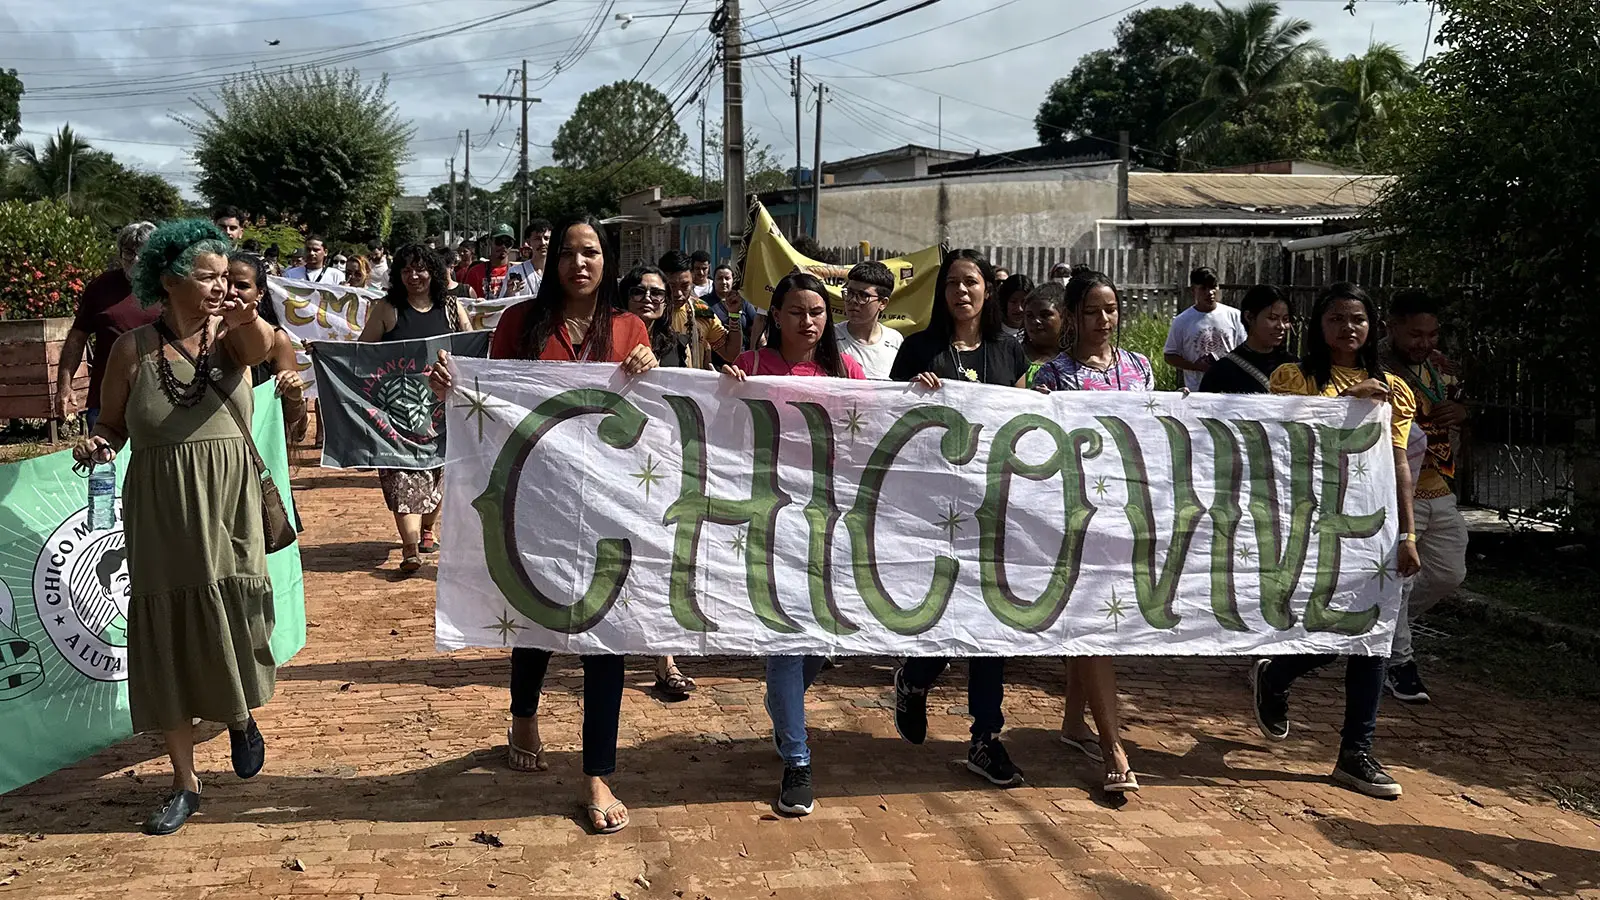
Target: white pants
{"points": [[1442, 545]]}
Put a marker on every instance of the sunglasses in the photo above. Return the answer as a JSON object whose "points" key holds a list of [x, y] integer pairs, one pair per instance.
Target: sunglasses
{"points": [[652, 293]]}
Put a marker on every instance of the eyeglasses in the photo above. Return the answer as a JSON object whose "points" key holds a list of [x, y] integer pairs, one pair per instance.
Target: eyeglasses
{"points": [[851, 295], [652, 293]]}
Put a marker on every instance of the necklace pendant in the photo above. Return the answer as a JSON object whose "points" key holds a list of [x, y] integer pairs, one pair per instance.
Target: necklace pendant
{"points": [[216, 374], [971, 375]]}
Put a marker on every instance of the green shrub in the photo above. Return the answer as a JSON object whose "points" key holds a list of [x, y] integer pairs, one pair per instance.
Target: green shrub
{"points": [[1148, 335], [47, 255], [287, 237]]}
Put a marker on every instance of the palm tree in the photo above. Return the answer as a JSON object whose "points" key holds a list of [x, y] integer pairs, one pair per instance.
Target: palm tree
{"points": [[1362, 98], [67, 168], [1245, 56]]}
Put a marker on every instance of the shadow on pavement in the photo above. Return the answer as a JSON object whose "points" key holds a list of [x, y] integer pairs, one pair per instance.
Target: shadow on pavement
{"points": [[1522, 866]]}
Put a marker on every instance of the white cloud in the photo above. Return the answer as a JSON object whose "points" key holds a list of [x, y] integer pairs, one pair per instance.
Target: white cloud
{"points": [[118, 71]]}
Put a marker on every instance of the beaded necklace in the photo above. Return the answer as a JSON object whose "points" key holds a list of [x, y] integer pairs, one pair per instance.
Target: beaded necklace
{"points": [[181, 394]]}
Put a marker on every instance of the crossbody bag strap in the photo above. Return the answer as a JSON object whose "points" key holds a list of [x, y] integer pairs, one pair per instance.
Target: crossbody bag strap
{"points": [[1251, 370], [233, 409]]}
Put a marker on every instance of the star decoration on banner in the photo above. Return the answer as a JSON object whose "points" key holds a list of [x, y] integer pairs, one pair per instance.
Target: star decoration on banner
{"points": [[648, 476], [1381, 573], [507, 626], [1115, 609], [951, 522], [1359, 471], [855, 422], [1151, 405], [737, 545], [479, 406], [1246, 553], [1102, 486]]}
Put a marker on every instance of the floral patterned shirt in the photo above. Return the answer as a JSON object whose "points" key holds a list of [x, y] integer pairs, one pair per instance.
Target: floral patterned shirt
{"points": [[1128, 371]]}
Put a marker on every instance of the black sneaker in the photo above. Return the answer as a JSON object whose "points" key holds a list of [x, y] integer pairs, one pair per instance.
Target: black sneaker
{"points": [[795, 798], [910, 709], [1360, 771], [988, 757], [1272, 711], [248, 749], [1405, 683]]}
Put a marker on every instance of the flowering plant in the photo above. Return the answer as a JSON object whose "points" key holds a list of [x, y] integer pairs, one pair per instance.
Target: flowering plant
{"points": [[47, 256]]}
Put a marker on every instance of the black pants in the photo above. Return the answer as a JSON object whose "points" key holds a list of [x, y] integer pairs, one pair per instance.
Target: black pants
{"points": [[986, 687], [602, 702], [1363, 692]]}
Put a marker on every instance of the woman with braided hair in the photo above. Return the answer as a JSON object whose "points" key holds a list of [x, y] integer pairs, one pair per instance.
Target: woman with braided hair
{"points": [[417, 305], [200, 610]]}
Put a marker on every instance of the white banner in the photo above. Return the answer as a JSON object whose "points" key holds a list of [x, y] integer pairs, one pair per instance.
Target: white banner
{"points": [[334, 312], [682, 512]]}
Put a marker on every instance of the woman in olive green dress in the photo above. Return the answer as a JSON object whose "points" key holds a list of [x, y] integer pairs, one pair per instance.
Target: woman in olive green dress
{"points": [[200, 614]]}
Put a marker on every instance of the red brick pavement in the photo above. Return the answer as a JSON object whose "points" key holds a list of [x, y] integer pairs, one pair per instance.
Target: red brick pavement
{"points": [[385, 759]]}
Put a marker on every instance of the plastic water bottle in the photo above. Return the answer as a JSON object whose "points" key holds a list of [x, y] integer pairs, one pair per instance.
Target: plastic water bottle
{"points": [[103, 497]]}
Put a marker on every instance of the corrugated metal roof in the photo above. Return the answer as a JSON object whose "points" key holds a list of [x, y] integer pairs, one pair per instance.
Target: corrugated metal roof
{"points": [[1264, 194]]}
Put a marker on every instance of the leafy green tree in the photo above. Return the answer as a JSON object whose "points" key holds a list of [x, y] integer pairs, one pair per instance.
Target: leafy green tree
{"points": [[406, 228], [1129, 87], [1287, 125], [611, 124], [1245, 57], [1361, 100], [316, 146], [92, 183], [10, 105], [1493, 203], [147, 196]]}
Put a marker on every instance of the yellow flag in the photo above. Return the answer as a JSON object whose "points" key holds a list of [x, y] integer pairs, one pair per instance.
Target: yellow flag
{"points": [[768, 258]]}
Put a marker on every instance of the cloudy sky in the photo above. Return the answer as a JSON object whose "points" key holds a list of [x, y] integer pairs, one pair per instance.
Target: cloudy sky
{"points": [[119, 71]]}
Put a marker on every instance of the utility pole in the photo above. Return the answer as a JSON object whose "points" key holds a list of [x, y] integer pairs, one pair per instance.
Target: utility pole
{"points": [[450, 217], [704, 185], [466, 193], [734, 212], [816, 174], [795, 89], [524, 99]]}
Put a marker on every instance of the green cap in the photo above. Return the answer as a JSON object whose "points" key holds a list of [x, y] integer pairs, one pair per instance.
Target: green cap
{"points": [[503, 230]]}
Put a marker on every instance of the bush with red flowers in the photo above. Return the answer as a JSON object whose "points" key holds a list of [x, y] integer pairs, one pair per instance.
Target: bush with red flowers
{"points": [[47, 255]]}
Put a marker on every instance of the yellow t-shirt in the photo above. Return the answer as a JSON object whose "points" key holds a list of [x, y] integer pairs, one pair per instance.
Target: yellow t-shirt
{"points": [[1288, 379]]}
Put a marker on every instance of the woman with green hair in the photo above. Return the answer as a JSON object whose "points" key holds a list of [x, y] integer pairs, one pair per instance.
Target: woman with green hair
{"points": [[200, 607]]}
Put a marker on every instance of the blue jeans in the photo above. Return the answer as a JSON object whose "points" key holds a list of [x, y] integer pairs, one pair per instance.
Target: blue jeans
{"points": [[90, 416], [1363, 691], [788, 677], [986, 687]]}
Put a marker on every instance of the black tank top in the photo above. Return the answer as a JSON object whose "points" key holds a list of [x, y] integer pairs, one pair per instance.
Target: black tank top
{"points": [[410, 324]]}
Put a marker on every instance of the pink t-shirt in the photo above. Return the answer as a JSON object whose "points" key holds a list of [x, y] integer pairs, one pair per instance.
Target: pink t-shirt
{"points": [[767, 361]]}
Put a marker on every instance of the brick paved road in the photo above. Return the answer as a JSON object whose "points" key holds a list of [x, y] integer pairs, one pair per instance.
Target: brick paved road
{"points": [[385, 759]]}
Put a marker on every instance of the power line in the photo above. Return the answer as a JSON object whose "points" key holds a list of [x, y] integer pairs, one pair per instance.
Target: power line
{"points": [[851, 30], [818, 24], [660, 40], [966, 19]]}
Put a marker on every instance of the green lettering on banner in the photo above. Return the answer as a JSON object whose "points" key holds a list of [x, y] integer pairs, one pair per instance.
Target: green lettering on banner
{"points": [[958, 446], [1338, 444], [694, 508], [496, 506], [1225, 516], [1279, 563], [822, 517], [1067, 461], [1157, 593]]}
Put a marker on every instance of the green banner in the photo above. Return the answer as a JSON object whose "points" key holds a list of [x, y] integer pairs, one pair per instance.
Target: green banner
{"points": [[63, 608]]}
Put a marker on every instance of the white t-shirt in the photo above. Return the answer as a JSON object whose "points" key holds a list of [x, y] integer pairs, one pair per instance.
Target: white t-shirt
{"points": [[1195, 334], [876, 359], [380, 274], [522, 278], [705, 290], [324, 275]]}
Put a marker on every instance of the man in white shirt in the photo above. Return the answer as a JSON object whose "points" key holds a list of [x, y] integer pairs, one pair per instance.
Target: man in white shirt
{"points": [[379, 262], [866, 291], [525, 276], [1203, 333], [316, 269], [700, 268]]}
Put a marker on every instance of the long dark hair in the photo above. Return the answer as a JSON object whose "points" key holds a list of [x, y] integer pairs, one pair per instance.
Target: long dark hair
{"points": [[414, 255], [990, 319], [547, 309], [265, 309], [1318, 361], [1077, 291], [826, 356], [662, 340]]}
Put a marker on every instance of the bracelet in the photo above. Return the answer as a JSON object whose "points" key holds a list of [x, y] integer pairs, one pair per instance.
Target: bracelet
{"points": [[1408, 537]]}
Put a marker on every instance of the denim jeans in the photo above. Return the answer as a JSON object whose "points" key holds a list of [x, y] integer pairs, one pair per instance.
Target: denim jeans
{"points": [[1363, 691], [986, 687], [788, 679], [602, 702], [90, 416]]}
